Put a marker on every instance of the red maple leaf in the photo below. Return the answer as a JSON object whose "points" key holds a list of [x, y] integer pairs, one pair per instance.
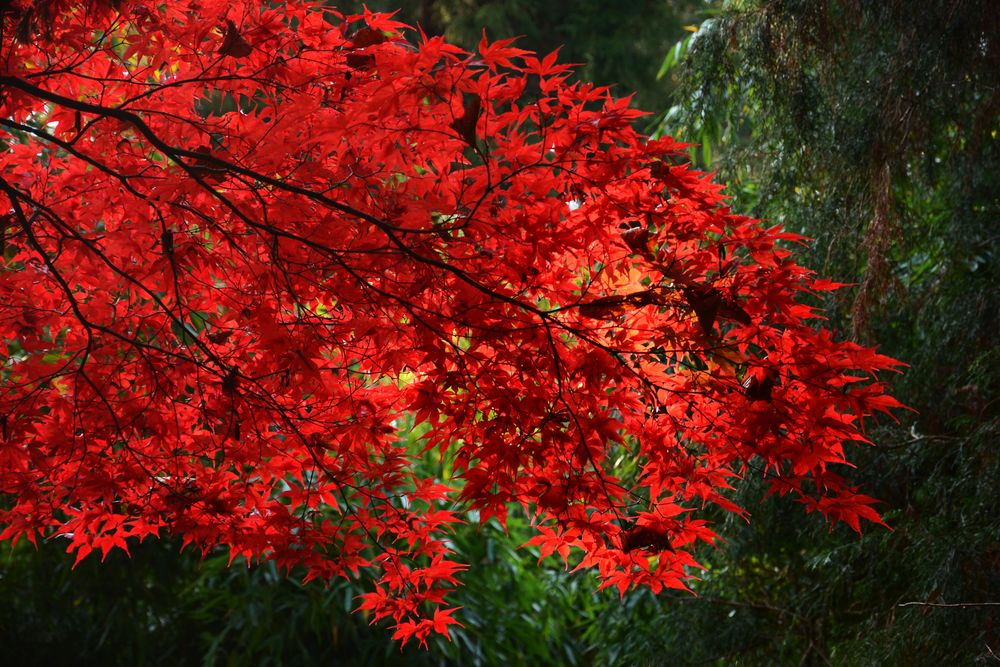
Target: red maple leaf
{"points": [[227, 283]]}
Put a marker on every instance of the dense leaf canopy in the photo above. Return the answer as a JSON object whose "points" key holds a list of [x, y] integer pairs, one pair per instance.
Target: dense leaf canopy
{"points": [[246, 247]]}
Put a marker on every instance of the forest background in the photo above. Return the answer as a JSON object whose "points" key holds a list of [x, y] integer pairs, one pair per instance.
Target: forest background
{"points": [[871, 127]]}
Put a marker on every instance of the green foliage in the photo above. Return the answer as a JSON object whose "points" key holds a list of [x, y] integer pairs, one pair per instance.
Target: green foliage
{"points": [[615, 43], [869, 126], [162, 607], [872, 128]]}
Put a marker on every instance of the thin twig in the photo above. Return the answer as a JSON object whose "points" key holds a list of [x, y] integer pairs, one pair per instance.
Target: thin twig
{"points": [[949, 604]]}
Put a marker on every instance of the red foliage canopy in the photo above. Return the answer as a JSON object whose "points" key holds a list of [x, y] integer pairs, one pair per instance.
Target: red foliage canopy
{"points": [[242, 241]]}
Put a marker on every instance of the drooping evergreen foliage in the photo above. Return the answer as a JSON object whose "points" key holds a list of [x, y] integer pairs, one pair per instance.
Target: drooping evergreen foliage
{"points": [[873, 128]]}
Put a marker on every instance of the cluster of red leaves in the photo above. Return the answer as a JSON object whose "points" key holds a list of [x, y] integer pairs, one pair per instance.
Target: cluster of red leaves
{"points": [[241, 241]]}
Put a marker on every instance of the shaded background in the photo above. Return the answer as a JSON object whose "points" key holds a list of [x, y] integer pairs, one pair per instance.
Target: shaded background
{"points": [[871, 127]]}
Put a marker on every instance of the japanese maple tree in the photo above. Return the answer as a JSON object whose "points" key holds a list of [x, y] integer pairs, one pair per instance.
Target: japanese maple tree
{"points": [[243, 243]]}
